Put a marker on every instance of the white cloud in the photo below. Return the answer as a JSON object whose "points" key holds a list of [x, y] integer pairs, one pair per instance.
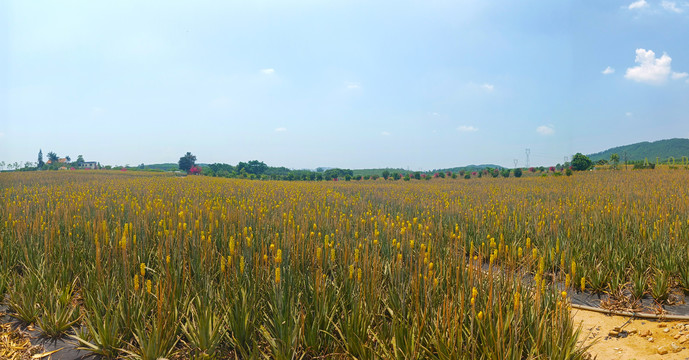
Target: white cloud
{"points": [[608, 70], [487, 87], [546, 130], [628, 113], [637, 5], [2, 134], [269, 71], [651, 70], [467, 128], [281, 129], [671, 6], [677, 76], [385, 133], [352, 86]]}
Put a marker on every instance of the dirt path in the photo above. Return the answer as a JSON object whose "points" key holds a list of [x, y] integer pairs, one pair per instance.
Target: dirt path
{"points": [[634, 339]]}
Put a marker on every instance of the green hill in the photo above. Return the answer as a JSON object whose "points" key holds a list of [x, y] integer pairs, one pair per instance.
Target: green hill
{"points": [[662, 149]]}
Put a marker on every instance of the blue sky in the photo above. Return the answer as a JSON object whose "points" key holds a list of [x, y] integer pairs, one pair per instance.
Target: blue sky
{"points": [[354, 84]]}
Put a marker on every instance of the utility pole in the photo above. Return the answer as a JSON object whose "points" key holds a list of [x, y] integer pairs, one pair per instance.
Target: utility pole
{"points": [[528, 152], [625, 160]]}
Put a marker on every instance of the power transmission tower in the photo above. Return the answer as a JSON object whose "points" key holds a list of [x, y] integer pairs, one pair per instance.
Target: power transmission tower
{"points": [[515, 163], [528, 153]]}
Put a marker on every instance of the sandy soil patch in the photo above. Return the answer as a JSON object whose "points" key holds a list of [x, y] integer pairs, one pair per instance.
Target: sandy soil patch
{"points": [[624, 338]]}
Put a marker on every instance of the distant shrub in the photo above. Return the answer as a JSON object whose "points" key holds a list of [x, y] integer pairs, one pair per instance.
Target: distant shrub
{"points": [[467, 176], [568, 172], [640, 166], [518, 172]]}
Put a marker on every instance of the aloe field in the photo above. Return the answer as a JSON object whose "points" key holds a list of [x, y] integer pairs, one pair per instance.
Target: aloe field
{"points": [[144, 266]]}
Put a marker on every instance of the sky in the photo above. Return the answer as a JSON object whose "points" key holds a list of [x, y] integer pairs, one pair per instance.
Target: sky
{"points": [[354, 84]]}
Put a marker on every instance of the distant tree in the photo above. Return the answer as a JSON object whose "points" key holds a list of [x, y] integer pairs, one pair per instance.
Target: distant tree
{"points": [[69, 159], [2, 165], [568, 172], [141, 166], [614, 159], [186, 162], [53, 157], [518, 172], [417, 175], [386, 174], [80, 159], [581, 162], [505, 173], [40, 159], [256, 167]]}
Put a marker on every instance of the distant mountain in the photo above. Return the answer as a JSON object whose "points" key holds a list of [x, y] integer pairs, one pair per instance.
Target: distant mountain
{"points": [[662, 149]]}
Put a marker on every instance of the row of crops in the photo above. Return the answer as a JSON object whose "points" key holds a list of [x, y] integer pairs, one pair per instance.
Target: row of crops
{"points": [[149, 266]]}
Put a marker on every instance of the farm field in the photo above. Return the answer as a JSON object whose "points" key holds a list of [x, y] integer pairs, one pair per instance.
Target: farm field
{"points": [[147, 265]]}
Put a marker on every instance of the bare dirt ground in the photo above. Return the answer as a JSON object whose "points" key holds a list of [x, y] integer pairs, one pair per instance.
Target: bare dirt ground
{"points": [[635, 338]]}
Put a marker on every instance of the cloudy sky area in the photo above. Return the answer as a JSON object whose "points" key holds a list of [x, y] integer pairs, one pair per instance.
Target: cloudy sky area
{"points": [[414, 84]]}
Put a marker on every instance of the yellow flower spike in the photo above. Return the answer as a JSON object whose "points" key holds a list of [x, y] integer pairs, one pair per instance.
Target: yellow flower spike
{"points": [[574, 268], [583, 283], [528, 243], [516, 301], [474, 292], [480, 316], [319, 252], [568, 280], [136, 282], [564, 294], [534, 254], [149, 285], [241, 265], [265, 258], [167, 259], [277, 275], [358, 275], [399, 257], [519, 252], [332, 255], [272, 248], [222, 264], [435, 282], [356, 255], [351, 271], [430, 266], [142, 268]]}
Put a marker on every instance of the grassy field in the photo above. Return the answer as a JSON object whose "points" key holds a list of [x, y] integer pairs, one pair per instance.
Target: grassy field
{"points": [[147, 266]]}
